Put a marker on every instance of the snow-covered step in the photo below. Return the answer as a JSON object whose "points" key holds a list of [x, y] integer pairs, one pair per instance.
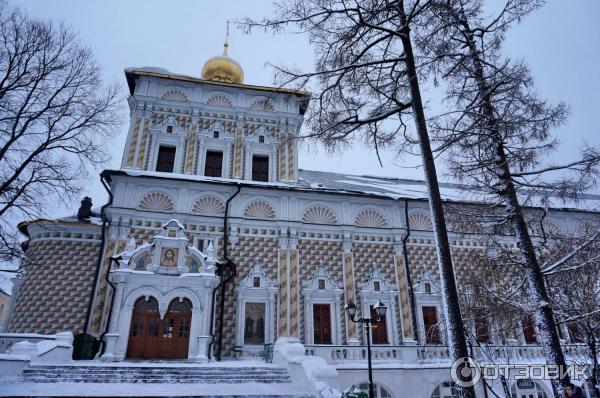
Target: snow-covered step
{"points": [[154, 374]]}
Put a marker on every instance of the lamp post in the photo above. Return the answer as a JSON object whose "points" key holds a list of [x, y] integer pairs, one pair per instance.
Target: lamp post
{"points": [[380, 310]]}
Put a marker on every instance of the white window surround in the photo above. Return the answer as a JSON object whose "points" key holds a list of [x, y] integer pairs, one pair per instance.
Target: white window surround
{"points": [[424, 299], [253, 148], [387, 294], [160, 138], [206, 142], [247, 293], [332, 295]]}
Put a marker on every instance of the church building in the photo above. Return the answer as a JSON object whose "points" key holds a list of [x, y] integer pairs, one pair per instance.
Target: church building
{"points": [[214, 244]]}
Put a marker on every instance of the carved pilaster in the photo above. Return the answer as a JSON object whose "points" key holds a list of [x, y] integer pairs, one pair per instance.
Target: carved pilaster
{"points": [[294, 281], [349, 287], [404, 301], [238, 152], [283, 321]]}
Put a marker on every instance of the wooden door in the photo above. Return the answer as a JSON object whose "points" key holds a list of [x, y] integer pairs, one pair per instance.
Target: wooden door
{"points": [[430, 323], [322, 323], [143, 332], [379, 329], [175, 330], [153, 338]]}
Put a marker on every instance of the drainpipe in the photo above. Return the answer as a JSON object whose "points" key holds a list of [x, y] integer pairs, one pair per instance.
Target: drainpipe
{"points": [[110, 307], [99, 262], [413, 310], [223, 284]]}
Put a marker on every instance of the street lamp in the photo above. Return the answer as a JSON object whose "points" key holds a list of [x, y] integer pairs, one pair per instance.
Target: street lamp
{"points": [[380, 310]]}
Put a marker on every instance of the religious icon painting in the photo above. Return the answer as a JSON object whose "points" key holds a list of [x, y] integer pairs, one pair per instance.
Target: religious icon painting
{"points": [[168, 257]]}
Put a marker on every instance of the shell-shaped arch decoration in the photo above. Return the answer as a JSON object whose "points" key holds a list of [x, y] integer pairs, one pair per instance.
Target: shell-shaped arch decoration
{"points": [[219, 100], [551, 229], [174, 95], [263, 105], [260, 210], [319, 215], [370, 218], [156, 201], [420, 221], [208, 205]]}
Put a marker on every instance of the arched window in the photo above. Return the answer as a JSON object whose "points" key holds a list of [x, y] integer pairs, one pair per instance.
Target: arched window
{"points": [[446, 389], [380, 391]]}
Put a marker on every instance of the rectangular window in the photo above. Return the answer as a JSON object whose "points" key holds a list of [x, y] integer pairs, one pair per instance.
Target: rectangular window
{"points": [[322, 323], [430, 323], [254, 324], [482, 326], [379, 329], [529, 330], [165, 161], [213, 167], [574, 333], [260, 168]]}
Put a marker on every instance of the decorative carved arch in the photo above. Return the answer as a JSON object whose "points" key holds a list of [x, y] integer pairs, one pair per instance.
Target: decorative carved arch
{"points": [[319, 214], [262, 104], [156, 201], [219, 100], [181, 293], [370, 218], [259, 209], [208, 205], [144, 291], [174, 95], [420, 221]]}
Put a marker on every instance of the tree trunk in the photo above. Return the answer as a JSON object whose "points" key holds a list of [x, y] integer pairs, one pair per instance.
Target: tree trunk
{"points": [[543, 315], [457, 343]]}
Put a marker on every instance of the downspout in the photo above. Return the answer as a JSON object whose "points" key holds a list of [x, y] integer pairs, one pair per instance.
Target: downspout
{"points": [[99, 262], [223, 284], [110, 307], [413, 310]]}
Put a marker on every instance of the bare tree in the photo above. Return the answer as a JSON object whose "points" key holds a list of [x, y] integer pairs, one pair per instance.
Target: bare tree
{"points": [[55, 119], [366, 85], [498, 132]]}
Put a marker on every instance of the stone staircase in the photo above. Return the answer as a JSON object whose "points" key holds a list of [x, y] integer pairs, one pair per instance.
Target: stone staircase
{"points": [[139, 379], [153, 374]]}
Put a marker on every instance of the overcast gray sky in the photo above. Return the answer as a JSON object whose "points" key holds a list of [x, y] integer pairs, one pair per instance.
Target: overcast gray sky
{"points": [[561, 43]]}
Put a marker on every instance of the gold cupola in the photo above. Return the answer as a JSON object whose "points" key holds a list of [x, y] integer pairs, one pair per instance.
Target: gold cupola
{"points": [[222, 68]]}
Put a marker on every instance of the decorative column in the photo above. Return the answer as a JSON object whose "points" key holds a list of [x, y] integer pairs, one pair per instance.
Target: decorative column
{"points": [[191, 148], [294, 284], [142, 144], [112, 338], [404, 299], [349, 287], [238, 149], [283, 318]]}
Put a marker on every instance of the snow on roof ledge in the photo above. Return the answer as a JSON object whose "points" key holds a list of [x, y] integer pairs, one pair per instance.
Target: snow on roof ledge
{"points": [[154, 69]]}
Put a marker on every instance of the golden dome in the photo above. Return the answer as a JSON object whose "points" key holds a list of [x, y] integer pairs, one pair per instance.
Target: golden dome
{"points": [[223, 69]]}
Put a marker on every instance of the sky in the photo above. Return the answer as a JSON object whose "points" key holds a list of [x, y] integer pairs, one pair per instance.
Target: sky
{"points": [[561, 43]]}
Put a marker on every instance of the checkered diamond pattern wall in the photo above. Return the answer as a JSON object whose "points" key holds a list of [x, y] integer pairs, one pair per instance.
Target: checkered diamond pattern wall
{"points": [[248, 250], [55, 294]]}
